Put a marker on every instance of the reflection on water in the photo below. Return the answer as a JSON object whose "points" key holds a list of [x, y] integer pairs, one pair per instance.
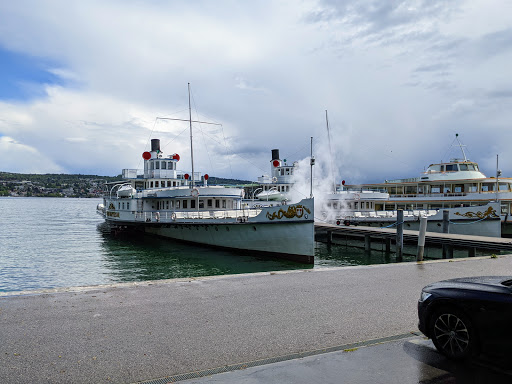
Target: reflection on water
{"points": [[138, 258]]}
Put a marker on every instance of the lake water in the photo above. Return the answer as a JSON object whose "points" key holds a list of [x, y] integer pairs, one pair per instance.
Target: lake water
{"points": [[61, 242]]}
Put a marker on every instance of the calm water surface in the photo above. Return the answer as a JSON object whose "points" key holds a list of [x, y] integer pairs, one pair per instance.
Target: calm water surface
{"points": [[60, 242]]}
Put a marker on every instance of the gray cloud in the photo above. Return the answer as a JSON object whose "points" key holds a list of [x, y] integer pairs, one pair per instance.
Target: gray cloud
{"points": [[391, 74]]}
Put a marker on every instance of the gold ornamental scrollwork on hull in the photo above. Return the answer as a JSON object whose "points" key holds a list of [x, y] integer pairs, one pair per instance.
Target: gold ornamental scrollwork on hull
{"points": [[290, 213], [488, 214]]}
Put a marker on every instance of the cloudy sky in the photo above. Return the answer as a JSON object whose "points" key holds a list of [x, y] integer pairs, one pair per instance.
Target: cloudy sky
{"points": [[83, 82]]}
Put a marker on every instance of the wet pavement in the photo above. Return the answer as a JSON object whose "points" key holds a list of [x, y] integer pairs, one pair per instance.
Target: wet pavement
{"points": [[141, 332], [409, 360]]}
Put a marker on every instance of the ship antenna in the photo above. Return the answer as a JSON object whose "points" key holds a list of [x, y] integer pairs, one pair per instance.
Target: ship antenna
{"points": [[191, 147], [461, 146]]}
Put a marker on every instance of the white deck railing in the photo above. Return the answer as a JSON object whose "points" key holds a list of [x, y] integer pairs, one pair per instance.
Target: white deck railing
{"points": [[171, 216]]}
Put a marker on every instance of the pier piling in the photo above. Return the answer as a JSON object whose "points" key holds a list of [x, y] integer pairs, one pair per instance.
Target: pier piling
{"points": [[421, 238], [399, 234], [446, 229], [367, 243]]}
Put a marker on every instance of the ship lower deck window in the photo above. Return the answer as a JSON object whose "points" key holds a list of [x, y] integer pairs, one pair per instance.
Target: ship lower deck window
{"points": [[185, 204], [209, 203], [217, 203], [201, 204], [192, 204], [156, 184], [223, 203]]}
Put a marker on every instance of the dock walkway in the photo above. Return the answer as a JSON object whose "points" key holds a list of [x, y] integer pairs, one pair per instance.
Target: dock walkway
{"points": [[135, 332], [454, 240]]}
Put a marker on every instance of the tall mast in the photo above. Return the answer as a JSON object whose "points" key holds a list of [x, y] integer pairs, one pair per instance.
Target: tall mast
{"points": [[330, 153], [311, 162], [498, 174], [191, 147]]}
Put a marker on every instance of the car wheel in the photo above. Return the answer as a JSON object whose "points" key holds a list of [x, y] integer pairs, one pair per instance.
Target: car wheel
{"points": [[452, 333]]}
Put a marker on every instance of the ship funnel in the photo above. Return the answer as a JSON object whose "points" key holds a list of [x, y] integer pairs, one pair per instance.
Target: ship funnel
{"points": [[275, 154], [155, 145]]}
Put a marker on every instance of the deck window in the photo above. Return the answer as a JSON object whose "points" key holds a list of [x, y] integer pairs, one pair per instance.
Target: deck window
{"points": [[217, 203], [451, 167], [223, 203], [192, 203], [157, 165], [503, 187], [209, 203], [471, 187], [410, 190], [185, 204], [201, 204], [435, 189], [463, 167], [156, 184], [164, 164]]}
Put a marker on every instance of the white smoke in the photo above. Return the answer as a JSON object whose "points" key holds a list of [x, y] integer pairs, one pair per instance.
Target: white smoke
{"points": [[326, 176]]}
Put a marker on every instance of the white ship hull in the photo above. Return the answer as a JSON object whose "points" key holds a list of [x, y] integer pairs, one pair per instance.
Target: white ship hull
{"points": [[282, 239], [480, 220], [285, 231]]}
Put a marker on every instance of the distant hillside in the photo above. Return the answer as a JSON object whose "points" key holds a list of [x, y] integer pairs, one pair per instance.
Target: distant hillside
{"points": [[52, 185], [67, 185], [221, 181], [53, 177]]}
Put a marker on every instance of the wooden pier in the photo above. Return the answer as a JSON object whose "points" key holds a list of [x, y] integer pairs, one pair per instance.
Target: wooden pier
{"points": [[328, 232]]}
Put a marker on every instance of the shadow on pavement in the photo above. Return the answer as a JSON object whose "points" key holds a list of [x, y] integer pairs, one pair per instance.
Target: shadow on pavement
{"points": [[472, 371]]}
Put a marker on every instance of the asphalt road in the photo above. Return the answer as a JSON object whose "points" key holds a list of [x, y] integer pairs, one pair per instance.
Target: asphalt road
{"points": [[138, 332]]}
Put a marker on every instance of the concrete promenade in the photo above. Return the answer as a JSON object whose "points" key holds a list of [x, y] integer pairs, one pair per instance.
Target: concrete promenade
{"points": [[142, 331]]}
